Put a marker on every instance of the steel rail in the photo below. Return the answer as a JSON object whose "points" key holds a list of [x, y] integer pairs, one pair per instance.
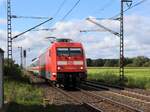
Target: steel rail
{"points": [[87, 105], [105, 85], [130, 94], [109, 100]]}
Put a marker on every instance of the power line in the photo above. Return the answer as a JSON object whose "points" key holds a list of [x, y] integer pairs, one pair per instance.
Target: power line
{"points": [[56, 13], [70, 10], [114, 17], [31, 28], [138, 3], [59, 8]]}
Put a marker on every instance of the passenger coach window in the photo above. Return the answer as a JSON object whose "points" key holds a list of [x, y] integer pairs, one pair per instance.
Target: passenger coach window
{"points": [[62, 51], [75, 51]]}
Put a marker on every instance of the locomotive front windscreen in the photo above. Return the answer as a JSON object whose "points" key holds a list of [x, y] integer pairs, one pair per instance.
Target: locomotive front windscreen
{"points": [[69, 51], [75, 51]]}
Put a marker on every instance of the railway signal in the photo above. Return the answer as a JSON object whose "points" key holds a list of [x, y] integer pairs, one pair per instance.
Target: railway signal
{"points": [[21, 57], [24, 57]]}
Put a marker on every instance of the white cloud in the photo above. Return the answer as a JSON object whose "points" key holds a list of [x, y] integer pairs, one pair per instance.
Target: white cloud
{"points": [[96, 44]]}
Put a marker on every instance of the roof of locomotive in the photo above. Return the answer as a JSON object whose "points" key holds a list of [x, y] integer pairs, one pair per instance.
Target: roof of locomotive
{"points": [[63, 42]]}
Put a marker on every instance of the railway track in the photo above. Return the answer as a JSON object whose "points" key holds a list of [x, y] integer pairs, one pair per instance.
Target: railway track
{"points": [[93, 102], [79, 101], [102, 103], [137, 101], [99, 98], [67, 98], [120, 90]]}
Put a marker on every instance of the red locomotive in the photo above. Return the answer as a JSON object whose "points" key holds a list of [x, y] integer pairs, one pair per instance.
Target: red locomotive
{"points": [[63, 63]]}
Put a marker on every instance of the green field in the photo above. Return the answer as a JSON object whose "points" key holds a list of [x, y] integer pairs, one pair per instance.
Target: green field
{"points": [[138, 77]]}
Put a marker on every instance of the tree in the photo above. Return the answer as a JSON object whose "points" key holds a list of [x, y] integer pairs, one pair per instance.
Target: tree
{"points": [[139, 61], [89, 62], [146, 64]]}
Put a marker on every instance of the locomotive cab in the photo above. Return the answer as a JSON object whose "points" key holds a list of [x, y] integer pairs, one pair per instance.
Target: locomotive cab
{"points": [[70, 62]]}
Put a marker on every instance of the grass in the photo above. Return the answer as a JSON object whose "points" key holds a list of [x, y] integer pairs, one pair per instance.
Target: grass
{"points": [[134, 77], [22, 93], [22, 96]]}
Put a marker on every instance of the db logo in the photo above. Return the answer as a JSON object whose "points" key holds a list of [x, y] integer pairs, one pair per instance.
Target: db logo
{"points": [[70, 62]]}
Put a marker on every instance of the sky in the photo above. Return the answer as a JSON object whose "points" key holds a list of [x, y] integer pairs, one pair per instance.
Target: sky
{"points": [[96, 44]]}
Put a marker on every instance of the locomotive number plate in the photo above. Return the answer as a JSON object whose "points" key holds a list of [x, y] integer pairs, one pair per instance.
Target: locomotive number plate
{"points": [[70, 62]]}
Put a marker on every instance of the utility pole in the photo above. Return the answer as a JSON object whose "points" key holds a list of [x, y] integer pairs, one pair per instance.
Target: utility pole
{"points": [[9, 28], [121, 61], [21, 57], [9, 34]]}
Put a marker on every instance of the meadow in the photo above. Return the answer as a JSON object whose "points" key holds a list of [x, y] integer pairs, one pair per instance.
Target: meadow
{"points": [[135, 77]]}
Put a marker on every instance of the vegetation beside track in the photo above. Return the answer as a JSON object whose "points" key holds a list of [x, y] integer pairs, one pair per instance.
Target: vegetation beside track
{"points": [[135, 77], [19, 94]]}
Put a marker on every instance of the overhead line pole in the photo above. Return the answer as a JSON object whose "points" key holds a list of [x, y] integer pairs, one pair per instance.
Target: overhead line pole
{"points": [[121, 61], [121, 35], [9, 29], [9, 34]]}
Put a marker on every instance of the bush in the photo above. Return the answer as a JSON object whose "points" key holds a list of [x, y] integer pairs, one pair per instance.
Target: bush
{"points": [[13, 70]]}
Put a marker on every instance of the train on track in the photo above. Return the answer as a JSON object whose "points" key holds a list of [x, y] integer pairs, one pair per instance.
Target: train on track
{"points": [[63, 63]]}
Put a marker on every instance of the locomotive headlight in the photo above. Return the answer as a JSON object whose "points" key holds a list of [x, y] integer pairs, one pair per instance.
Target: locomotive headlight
{"points": [[58, 68], [81, 68], [54, 74]]}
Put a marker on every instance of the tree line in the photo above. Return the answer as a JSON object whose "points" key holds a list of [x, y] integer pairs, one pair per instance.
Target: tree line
{"points": [[139, 61]]}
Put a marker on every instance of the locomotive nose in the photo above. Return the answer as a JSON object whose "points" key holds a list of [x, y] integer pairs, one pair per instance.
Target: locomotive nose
{"points": [[70, 66]]}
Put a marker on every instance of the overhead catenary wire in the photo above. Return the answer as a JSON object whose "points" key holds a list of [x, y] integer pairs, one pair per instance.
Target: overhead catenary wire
{"points": [[63, 18], [136, 4], [59, 8], [54, 17], [115, 16]]}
